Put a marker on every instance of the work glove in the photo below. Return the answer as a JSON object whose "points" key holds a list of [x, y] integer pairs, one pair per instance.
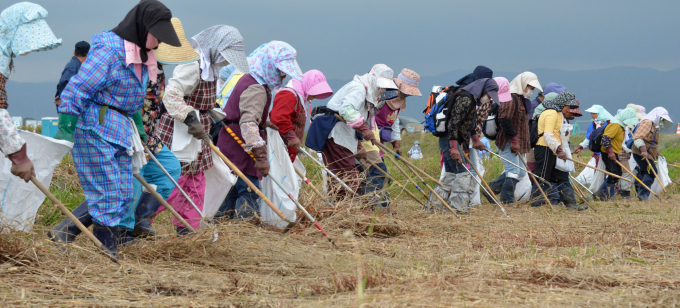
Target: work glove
{"points": [[291, 139], [561, 154], [271, 125], [577, 151], [196, 129], [610, 154], [368, 134], [643, 152], [455, 155], [261, 162], [21, 164], [478, 145], [396, 145], [514, 144]]}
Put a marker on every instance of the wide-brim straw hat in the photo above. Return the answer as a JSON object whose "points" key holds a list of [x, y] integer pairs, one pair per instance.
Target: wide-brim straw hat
{"points": [[167, 54]]}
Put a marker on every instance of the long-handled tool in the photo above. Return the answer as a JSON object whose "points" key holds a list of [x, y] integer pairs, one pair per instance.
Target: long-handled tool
{"points": [[432, 191], [579, 183], [579, 193], [521, 168], [386, 150], [389, 177], [636, 178], [598, 169], [252, 187], [153, 157], [409, 179], [160, 199], [290, 196], [487, 188], [311, 185], [73, 218], [354, 193], [657, 177], [536, 182]]}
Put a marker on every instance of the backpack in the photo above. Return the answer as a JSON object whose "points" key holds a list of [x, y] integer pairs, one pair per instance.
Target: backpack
{"points": [[595, 139], [491, 127], [630, 142], [533, 131], [435, 119]]}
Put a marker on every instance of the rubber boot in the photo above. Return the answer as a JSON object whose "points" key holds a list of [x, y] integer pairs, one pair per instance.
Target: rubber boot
{"points": [[146, 208], [643, 193], [602, 194], [109, 236], [182, 231], [625, 195], [66, 231], [612, 190], [508, 190], [496, 187]]}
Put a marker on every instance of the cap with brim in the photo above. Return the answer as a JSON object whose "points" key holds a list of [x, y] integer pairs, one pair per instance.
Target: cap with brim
{"points": [[165, 32], [320, 90], [593, 110], [184, 54], [494, 97], [236, 56], [536, 84], [667, 118], [576, 112], [385, 83]]}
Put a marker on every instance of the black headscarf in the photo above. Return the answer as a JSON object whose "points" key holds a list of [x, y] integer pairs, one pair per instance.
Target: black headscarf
{"points": [[135, 26], [479, 72]]}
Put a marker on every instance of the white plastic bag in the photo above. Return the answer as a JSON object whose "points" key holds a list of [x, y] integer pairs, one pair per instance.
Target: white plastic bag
{"points": [[662, 172], [184, 146], [476, 198], [587, 176], [599, 177], [218, 182], [566, 166], [280, 169], [20, 200], [523, 189]]}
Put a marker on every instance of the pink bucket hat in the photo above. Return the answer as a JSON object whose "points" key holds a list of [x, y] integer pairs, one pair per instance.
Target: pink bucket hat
{"points": [[503, 89], [407, 81], [313, 83]]}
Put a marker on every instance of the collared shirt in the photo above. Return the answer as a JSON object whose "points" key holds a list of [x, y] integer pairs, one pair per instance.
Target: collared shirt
{"points": [[646, 132], [104, 80], [519, 125]]}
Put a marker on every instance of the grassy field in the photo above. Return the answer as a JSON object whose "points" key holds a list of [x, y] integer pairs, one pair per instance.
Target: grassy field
{"points": [[615, 254]]}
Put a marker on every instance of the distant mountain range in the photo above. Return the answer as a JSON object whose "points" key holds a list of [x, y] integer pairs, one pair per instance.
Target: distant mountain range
{"points": [[612, 88]]}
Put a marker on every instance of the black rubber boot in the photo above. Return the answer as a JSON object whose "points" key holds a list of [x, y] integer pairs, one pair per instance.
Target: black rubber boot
{"points": [[66, 231], [146, 208], [574, 206], [109, 236]]}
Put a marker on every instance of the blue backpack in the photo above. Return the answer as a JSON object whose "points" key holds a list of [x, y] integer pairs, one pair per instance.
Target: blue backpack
{"points": [[595, 139], [439, 105]]}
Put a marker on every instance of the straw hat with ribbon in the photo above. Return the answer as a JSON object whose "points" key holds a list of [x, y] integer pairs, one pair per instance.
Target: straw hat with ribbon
{"points": [[167, 54]]}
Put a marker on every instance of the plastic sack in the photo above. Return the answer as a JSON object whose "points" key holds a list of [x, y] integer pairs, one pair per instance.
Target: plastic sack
{"points": [[281, 170], [218, 182], [599, 177], [662, 172], [523, 189], [566, 166], [184, 146], [20, 200], [587, 176], [476, 198]]}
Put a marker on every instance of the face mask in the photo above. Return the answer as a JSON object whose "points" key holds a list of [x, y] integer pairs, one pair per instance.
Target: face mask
{"points": [[529, 94], [485, 100]]}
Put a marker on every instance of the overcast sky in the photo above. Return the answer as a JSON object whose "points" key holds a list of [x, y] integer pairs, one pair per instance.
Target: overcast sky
{"points": [[343, 38]]}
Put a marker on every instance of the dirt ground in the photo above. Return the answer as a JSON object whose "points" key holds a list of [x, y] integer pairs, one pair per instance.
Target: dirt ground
{"points": [[616, 254]]}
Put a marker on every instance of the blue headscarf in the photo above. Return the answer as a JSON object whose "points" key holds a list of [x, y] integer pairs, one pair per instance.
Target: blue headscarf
{"points": [[554, 88], [23, 29]]}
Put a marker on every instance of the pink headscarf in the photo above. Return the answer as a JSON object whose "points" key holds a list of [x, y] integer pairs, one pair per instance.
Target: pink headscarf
{"points": [[132, 56], [313, 83]]}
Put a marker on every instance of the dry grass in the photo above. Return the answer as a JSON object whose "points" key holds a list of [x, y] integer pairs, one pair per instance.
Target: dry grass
{"points": [[623, 254]]}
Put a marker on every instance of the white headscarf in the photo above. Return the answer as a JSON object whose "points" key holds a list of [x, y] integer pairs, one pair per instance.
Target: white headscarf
{"points": [[380, 77], [657, 114], [523, 80]]}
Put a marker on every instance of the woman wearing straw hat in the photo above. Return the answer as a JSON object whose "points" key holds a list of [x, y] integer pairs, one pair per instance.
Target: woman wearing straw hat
{"points": [[23, 30], [108, 89], [247, 112], [189, 96]]}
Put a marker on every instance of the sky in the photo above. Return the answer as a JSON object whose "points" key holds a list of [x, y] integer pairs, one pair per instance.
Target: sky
{"points": [[344, 38]]}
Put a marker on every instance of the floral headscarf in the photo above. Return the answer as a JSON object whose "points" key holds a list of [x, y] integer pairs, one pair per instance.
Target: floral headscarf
{"points": [[23, 29], [269, 57], [540, 108], [380, 77], [565, 98], [627, 117]]}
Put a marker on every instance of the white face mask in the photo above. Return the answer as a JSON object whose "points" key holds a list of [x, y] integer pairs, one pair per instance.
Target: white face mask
{"points": [[529, 94]]}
